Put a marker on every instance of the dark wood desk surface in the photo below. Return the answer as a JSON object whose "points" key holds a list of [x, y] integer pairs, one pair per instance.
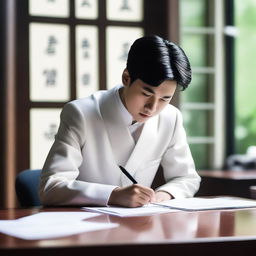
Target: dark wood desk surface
{"points": [[179, 233], [233, 183], [225, 174]]}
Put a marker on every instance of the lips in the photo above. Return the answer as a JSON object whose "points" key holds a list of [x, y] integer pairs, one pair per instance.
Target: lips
{"points": [[145, 115]]}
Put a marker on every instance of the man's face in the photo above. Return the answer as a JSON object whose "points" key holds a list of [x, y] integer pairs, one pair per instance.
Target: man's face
{"points": [[144, 101]]}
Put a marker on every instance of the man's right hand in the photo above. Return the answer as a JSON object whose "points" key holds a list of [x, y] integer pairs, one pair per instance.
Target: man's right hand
{"points": [[132, 196]]}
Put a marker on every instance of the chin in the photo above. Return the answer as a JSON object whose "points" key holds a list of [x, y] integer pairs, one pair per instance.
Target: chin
{"points": [[141, 120]]}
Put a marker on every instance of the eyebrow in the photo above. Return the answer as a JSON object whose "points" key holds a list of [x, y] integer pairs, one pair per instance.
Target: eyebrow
{"points": [[148, 89]]}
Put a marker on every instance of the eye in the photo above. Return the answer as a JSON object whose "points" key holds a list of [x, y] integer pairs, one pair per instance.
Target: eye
{"points": [[145, 94], [165, 100]]}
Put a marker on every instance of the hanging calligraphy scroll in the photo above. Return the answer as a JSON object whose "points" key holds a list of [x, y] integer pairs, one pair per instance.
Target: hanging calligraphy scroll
{"points": [[87, 75], [86, 9], [49, 62], [44, 124], [49, 8], [119, 40], [125, 10]]}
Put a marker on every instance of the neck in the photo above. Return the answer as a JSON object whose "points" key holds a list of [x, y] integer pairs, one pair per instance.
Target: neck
{"points": [[121, 94]]}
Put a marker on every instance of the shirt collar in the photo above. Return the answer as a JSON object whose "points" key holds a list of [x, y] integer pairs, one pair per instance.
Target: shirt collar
{"points": [[127, 117]]}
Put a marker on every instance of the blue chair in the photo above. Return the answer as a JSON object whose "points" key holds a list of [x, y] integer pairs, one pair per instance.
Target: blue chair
{"points": [[26, 186]]}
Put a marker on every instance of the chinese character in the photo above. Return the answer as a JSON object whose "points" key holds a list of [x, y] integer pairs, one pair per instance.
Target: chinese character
{"points": [[86, 48], [85, 3], [125, 6], [52, 41], [50, 77], [125, 50], [86, 79], [51, 133]]}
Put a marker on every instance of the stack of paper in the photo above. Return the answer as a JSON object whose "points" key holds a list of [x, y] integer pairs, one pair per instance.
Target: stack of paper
{"points": [[187, 204], [200, 204], [146, 210], [48, 225]]}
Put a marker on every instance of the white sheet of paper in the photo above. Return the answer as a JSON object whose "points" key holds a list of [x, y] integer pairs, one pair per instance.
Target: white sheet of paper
{"points": [[56, 217], [199, 204], [49, 225], [130, 212], [185, 204]]}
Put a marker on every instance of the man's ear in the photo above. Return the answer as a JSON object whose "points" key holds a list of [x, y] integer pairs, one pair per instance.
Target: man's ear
{"points": [[126, 80]]}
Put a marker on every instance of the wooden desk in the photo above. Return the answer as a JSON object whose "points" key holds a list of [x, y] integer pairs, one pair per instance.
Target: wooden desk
{"points": [[234, 183], [180, 233]]}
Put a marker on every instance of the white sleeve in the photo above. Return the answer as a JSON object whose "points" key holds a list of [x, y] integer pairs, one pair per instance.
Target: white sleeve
{"points": [[178, 165], [59, 184]]}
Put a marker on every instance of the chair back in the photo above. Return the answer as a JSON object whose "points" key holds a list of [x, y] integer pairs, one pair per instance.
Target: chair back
{"points": [[26, 186]]}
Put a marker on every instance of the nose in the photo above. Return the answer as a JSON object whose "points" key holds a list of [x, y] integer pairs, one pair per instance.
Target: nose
{"points": [[151, 105]]}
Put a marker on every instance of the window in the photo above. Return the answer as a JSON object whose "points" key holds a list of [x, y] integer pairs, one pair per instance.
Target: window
{"points": [[245, 76], [202, 104]]}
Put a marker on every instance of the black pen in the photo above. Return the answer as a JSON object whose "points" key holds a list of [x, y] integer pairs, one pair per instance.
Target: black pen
{"points": [[128, 175]]}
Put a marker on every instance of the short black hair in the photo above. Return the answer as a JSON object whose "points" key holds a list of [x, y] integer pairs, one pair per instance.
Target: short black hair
{"points": [[154, 60]]}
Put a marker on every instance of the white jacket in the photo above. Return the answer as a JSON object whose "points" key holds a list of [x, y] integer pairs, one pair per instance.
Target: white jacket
{"points": [[82, 167]]}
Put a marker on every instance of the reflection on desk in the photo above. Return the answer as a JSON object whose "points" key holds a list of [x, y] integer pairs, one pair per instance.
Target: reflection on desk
{"points": [[203, 232]]}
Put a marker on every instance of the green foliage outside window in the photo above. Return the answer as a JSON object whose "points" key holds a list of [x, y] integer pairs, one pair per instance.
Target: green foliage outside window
{"points": [[245, 74], [197, 122]]}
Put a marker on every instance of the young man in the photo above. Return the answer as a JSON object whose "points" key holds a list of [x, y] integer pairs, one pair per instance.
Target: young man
{"points": [[132, 126]]}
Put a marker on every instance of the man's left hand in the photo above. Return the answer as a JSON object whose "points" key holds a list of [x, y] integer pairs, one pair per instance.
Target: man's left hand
{"points": [[162, 196]]}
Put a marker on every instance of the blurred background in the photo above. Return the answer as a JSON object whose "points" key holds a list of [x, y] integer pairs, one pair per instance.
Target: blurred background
{"points": [[54, 51]]}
